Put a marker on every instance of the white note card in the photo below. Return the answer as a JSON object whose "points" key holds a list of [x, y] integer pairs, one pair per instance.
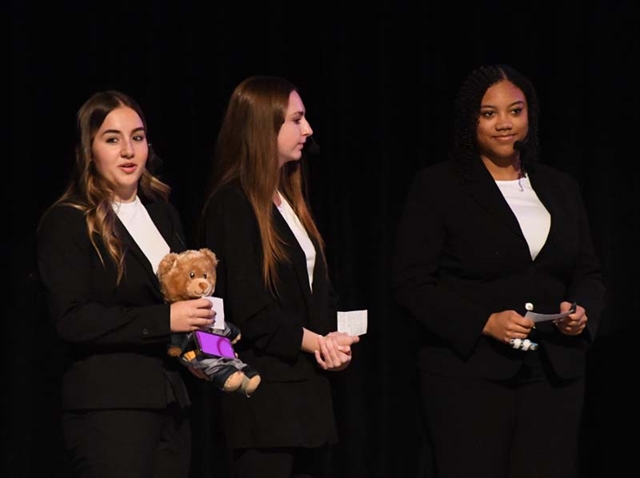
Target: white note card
{"points": [[544, 317], [218, 306], [353, 322]]}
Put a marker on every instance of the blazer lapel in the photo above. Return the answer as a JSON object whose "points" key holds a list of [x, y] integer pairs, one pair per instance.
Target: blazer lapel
{"points": [[160, 217], [297, 256], [482, 187], [134, 251], [544, 191]]}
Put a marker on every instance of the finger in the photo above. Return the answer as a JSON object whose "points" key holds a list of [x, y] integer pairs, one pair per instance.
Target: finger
{"points": [[328, 353], [321, 362]]}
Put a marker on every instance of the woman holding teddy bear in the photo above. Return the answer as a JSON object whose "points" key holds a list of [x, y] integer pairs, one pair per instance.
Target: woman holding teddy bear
{"points": [[124, 400]]}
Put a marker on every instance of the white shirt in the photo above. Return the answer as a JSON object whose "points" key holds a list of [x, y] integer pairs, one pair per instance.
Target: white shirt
{"points": [[533, 217], [136, 219], [301, 235]]}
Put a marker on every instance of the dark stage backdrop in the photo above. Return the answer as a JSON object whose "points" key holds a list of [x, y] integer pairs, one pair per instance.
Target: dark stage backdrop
{"points": [[378, 81]]}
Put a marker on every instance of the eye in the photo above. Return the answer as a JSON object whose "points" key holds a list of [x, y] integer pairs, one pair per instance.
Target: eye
{"points": [[517, 111], [487, 114], [139, 138], [113, 140], [205, 275], [191, 274]]}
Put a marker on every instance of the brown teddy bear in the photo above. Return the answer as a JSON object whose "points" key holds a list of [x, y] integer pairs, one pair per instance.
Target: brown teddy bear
{"points": [[189, 275]]}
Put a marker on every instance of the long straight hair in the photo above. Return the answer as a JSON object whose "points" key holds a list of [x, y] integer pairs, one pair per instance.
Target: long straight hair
{"points": [[247, 152]]}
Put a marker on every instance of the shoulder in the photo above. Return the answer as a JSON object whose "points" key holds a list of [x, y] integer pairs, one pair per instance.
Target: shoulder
{"points": [[552, 177], [62, 223], [550, 171], [229, 199], [230, 192], [436, 179], [61, 216], [162, 207]]}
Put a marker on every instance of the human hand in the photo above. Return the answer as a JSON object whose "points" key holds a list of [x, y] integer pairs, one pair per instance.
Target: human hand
{"points": [[507, 325], [190, 315], [334, 351], [572, 324], [344, 339]]}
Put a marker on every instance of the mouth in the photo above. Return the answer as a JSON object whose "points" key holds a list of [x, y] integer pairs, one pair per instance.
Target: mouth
{"points": [[505, 138], [129, 167]]}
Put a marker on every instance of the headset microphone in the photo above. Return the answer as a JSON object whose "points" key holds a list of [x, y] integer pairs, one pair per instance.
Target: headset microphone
{"points": [[519, 145], [312, 145]]}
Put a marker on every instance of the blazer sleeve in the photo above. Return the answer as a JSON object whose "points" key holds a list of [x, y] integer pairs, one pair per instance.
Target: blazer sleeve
{"points": [[586, 286], [230, 230], [420, 242], [84, 302]]}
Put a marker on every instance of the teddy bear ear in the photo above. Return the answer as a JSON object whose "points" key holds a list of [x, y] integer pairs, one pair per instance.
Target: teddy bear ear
{"points": [[210, 254], [167, 263]]}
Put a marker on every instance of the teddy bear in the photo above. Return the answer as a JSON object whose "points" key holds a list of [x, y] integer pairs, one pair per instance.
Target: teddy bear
{"points": [[189, 275]]}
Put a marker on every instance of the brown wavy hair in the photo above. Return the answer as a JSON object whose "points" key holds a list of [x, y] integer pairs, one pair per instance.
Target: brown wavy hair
{"points": [[89, 191], [247, 152]]}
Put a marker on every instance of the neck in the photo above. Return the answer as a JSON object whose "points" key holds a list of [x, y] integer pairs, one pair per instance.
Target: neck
{"points": [[125, 196], [503, 170]]}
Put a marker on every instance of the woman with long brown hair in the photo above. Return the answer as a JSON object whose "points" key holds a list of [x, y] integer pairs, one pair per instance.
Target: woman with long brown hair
{"points": [[125, 405], [273, 279]]}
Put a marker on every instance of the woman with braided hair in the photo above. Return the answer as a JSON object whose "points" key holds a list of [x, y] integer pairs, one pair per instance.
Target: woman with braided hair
{"points": [[484, 237]]}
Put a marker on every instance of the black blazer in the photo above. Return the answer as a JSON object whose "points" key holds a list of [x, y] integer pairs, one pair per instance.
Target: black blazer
{"points": [[292, 406], [461, 256], [117, 335]]}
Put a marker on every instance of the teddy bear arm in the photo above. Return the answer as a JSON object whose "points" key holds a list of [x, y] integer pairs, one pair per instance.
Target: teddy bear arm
{"points": [[232, 332]]}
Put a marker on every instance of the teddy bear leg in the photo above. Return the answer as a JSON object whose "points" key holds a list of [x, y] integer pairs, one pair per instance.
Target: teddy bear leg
{"points": [[234, 382], [226, 378], [251, 381]]}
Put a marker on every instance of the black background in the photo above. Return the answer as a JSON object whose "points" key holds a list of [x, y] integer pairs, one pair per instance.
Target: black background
{"points": [[378, 81]]}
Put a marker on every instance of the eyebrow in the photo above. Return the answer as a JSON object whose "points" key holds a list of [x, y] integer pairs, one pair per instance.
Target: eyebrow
{"points": [[519, 102], [117, 131]]}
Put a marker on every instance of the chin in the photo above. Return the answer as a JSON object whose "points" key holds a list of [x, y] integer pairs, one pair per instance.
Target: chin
{"points": [[292, 159]]}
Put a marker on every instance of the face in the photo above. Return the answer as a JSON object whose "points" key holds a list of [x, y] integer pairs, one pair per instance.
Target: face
{"points": [[503, 120], [120, 151], [294, 131]]}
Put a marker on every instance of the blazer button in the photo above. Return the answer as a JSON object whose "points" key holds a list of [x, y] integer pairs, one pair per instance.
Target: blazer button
{"points": [[145, 331]]}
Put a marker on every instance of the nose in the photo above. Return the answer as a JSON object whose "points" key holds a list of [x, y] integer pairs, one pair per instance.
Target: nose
{"points": [[307, 131], [127, 150], [504, 122]]}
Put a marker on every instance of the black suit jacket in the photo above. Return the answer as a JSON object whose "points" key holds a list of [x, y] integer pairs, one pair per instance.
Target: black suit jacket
{"points": [[461, 256], [116, 335], [292, 406]]}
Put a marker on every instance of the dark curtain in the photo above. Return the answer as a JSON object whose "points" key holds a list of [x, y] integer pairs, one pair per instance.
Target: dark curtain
{"points": [[378, 81]]}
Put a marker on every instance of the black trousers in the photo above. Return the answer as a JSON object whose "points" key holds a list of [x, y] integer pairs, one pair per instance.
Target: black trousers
{"points": [[525, 427], [128, 443], [280, 462]]}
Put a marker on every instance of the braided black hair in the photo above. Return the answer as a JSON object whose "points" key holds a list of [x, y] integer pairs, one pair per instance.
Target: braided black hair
{"points": [[464, 148]]}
